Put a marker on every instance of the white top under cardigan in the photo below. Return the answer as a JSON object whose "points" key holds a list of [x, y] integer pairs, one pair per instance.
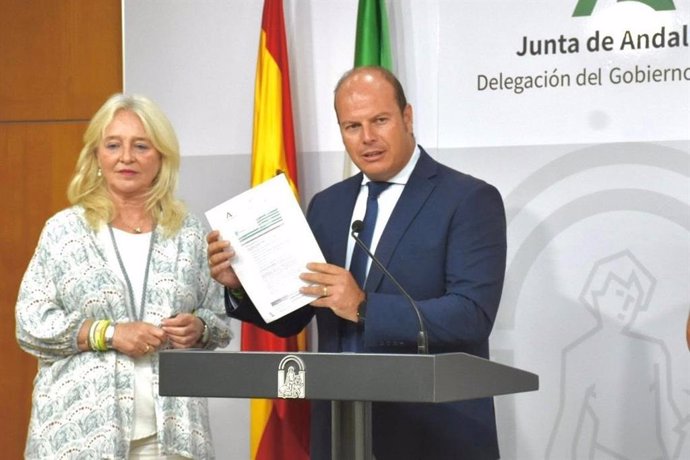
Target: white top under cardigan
{"points": [[134, 251]]}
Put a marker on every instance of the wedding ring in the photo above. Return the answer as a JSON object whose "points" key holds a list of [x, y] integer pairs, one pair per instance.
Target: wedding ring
{"points": [[325, 291], [148, 348]]}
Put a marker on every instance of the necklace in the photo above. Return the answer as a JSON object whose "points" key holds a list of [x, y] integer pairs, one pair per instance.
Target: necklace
{"points": [[136, 229], [131, 228], [137, 315]]}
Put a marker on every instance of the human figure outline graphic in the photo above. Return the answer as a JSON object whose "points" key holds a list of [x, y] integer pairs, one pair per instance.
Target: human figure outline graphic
{"points": [[590, 420]]}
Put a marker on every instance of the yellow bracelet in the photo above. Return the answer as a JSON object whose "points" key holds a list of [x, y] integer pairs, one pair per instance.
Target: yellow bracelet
{"points": [[100, 335], [96, 333]]}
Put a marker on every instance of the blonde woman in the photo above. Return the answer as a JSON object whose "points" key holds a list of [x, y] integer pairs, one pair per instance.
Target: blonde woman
{"points": [[116, 277]]}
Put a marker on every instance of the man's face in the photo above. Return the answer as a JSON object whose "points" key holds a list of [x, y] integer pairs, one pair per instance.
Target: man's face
{"points": [[377, 136]]}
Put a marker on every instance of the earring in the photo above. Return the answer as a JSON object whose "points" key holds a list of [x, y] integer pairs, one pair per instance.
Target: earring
{"points": [[99, 173]]}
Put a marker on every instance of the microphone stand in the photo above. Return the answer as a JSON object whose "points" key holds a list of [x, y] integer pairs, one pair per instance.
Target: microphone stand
{"points": [[422, 339]]}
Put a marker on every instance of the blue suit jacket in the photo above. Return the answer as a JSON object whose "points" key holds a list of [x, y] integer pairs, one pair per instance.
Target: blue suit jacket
{"points": [[445, 242]]}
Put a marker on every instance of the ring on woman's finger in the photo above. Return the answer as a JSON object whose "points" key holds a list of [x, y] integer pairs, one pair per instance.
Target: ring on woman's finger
{"points": [[325, 291], [148, 348]]}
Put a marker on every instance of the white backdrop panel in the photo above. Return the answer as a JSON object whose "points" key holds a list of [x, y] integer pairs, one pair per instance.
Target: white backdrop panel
{"points": [[481, 41], [595, 179]]}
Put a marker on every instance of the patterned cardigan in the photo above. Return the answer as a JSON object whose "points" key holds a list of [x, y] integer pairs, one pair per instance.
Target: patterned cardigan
{"points": [[83, 401]]}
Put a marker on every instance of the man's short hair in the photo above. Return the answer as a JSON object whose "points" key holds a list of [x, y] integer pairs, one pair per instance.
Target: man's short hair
{"points": [[385, 73]]}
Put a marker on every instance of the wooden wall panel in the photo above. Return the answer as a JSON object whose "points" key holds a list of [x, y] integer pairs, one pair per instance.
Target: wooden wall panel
{"points": [[37, 163], [59, 61], [38, 160]]}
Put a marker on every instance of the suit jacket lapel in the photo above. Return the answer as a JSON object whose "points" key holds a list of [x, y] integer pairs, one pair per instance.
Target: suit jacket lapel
{"points": [[414, 195]]}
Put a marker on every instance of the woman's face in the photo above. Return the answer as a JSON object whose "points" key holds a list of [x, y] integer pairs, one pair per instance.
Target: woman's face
{"points": [[127, 157]]}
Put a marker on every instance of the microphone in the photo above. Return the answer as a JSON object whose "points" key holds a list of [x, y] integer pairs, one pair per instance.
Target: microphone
{"points": [[422, 339]]}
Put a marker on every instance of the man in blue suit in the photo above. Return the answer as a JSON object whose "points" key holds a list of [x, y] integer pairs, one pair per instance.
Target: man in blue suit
{"points": [[440, 233]]}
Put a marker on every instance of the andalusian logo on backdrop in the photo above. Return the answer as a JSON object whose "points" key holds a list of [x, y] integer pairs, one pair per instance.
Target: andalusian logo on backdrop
{"points": [[585, 7], [599, 235]]}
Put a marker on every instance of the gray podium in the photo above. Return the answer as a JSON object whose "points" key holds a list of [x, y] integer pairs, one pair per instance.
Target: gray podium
{"points": [[350, 381]]}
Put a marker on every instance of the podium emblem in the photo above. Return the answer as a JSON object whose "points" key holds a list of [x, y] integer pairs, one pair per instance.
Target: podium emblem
{"points": [[291, 378]]}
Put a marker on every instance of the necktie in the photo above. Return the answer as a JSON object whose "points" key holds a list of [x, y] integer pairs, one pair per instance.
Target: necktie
{"points": [[358, 263], [351, 333]]}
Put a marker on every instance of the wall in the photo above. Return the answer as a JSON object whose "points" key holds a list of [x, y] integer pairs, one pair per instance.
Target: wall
{"points": [[591, 151], [58, 62]]}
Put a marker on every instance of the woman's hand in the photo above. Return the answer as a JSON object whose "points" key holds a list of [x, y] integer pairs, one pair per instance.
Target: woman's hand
{"points": [[184, 330], [137, 339]]}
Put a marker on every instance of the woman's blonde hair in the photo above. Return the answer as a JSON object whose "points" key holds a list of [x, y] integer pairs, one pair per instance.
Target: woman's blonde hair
{"points": [[88, 189]]}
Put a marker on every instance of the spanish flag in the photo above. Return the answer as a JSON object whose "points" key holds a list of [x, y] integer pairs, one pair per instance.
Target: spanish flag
{"points": [[279, 428]]}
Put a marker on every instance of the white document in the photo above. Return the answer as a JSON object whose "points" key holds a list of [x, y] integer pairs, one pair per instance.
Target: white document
{"points": [[272, 242]]}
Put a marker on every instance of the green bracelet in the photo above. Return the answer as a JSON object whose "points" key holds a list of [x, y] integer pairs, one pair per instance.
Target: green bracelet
{"points": [[238, 293]]}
